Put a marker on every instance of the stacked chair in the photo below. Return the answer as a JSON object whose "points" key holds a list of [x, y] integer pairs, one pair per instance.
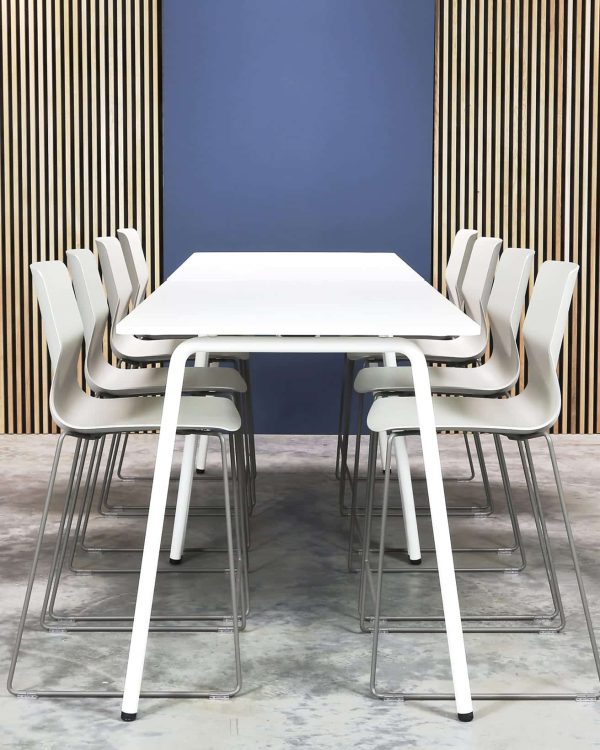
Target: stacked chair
{"points": [[122, 402], [125, 274], [496, 377], [472, 289], [456, 268], [477, 400]]}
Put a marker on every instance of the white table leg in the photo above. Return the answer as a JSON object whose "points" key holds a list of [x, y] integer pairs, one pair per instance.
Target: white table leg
{"points": [[382, 444], [184, 493], [202, 451], [154, 527], [186, 479], [405, 483], [441, 534], [408, 501]]}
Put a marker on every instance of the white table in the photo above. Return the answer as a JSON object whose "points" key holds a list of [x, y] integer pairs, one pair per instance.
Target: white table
{"points": [[295, 303]]}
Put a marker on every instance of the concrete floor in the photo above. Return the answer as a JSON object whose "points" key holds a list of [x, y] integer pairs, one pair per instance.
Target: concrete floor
{"points": [[305, 662]]}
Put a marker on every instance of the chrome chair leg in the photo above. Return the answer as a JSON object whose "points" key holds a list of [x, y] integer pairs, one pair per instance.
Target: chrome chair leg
{"points": [[344, 417], [365, 579], [542, 530], [133, 511], [120, 464], [574, 556], [538, 515], [345, 433], [470, 460], [354, 483], [79, 543], [232, 625], [484, 475], [63, 536], [84, 515], [505, 550], [247, 397], [69, 621], [538, 619], [475, 510]]}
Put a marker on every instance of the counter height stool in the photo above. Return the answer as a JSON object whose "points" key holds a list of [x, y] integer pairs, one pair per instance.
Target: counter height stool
{"points": [[109, 381], [528, 415], [494, 378], [125, 273], [87, 418]]}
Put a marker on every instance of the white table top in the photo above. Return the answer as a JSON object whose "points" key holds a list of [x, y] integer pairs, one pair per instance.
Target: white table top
{"points": [[296, 294]]}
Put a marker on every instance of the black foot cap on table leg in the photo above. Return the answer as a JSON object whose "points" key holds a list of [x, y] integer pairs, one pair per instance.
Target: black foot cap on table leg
{"points": [[466, 717], [173, 561], [416, 561], [200, 471], [128, 717]]}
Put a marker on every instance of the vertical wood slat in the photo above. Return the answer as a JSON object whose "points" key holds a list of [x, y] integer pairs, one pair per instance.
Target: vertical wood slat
{"points": [[79, 157], [517, 137]]}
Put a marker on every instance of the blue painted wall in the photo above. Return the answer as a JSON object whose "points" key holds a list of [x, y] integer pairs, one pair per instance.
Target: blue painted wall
{"points": [[298, 125]]}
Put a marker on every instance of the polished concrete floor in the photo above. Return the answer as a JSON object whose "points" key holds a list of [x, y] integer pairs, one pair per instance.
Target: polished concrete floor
{"points": [[305, 662]]}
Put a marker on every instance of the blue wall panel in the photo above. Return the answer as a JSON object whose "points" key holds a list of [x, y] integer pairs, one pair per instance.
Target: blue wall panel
{"points": [[297, 125]]}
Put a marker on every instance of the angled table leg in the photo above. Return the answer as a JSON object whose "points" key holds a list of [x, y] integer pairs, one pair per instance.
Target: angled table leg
{"points": [[409, 513], [154, 527], [441, 531], [191, 450], [202, 447]]}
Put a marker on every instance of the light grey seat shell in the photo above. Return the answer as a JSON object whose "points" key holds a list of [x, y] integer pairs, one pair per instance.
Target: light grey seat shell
{"points": [[456, 268], [476, 290], [532, 411], [501, 371], [81, 414], [119, 291], [137, 268], [102, 377], [458, 262], [135, 260]]}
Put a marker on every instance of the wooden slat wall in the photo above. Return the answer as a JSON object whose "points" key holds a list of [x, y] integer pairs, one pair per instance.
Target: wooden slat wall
{"points": [[516, 143], [80, 155]]}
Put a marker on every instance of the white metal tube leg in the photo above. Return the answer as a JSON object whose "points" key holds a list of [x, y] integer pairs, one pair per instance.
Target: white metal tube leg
{"points": [[382, 437], [408, 501], [154, 527], [441, 532], [404, 482], [382, 442], [191, 451], [184, 493], [202, 451]]}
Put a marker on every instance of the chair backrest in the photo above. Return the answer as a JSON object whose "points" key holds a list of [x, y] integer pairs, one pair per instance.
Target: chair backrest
{"points": [[458, 263], [544, 329], [116, 278], [93, 308], [507, 300], [479, 277], [64, 333], [131, 244]]}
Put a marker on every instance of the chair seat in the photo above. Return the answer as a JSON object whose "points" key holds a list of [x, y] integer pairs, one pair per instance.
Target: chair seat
{"points": [[132, 349], [89, 415], [519, 415], [486, 380], [228, 356], [153, 380], [457, 351], [462, 350]]}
